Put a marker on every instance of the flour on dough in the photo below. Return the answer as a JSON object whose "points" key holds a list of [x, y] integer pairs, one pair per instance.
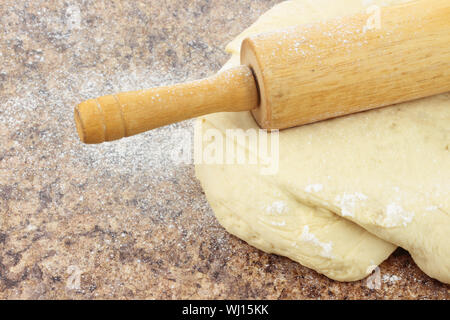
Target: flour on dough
{"points": [[386, 171]]}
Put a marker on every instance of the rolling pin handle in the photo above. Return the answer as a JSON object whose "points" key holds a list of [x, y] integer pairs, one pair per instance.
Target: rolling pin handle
{"points": [[125, 114]]}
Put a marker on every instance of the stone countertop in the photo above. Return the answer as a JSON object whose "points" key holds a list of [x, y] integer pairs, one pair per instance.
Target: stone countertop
{"points": [[123, 220]]}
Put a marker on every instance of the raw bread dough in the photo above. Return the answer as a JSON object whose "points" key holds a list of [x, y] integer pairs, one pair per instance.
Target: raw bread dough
{"points": [[274, 218], [386, 170]]}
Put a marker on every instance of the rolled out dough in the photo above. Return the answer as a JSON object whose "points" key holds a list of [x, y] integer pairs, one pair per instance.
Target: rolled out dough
{"points": [[384, 171]]}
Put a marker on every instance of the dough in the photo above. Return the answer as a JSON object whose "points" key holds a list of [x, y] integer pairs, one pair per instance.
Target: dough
{"points": [[386, 171]]}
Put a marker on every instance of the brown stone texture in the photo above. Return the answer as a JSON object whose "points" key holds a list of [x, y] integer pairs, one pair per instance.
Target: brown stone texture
{"points": [[124, 220]]}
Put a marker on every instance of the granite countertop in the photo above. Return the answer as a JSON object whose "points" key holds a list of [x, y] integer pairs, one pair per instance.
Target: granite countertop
{"points": [[121, 220]]}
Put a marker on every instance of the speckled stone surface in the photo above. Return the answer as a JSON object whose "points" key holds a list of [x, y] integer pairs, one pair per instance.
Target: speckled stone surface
{"points": [[122, 220]]}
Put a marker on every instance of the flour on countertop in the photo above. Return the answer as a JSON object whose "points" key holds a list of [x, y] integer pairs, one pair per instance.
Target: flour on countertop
{"points": [[391, 279]]}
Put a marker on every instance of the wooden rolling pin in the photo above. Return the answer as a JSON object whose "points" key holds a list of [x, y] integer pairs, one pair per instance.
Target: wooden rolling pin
{"points": [[299, 75]]}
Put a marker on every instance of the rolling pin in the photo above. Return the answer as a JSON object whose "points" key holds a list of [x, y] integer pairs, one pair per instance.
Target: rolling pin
{"points": [[299, 75]]}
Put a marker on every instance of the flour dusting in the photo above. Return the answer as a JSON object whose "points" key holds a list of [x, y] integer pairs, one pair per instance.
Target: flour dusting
{"points": [[327, 247], [314, 187], [277, 207], [348, 202], [396, 216], [278, 224], [391, 279]]}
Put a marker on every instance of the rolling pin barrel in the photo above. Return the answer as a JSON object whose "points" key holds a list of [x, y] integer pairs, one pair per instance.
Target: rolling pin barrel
{"points": [[300, 75], [346, 65]]}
